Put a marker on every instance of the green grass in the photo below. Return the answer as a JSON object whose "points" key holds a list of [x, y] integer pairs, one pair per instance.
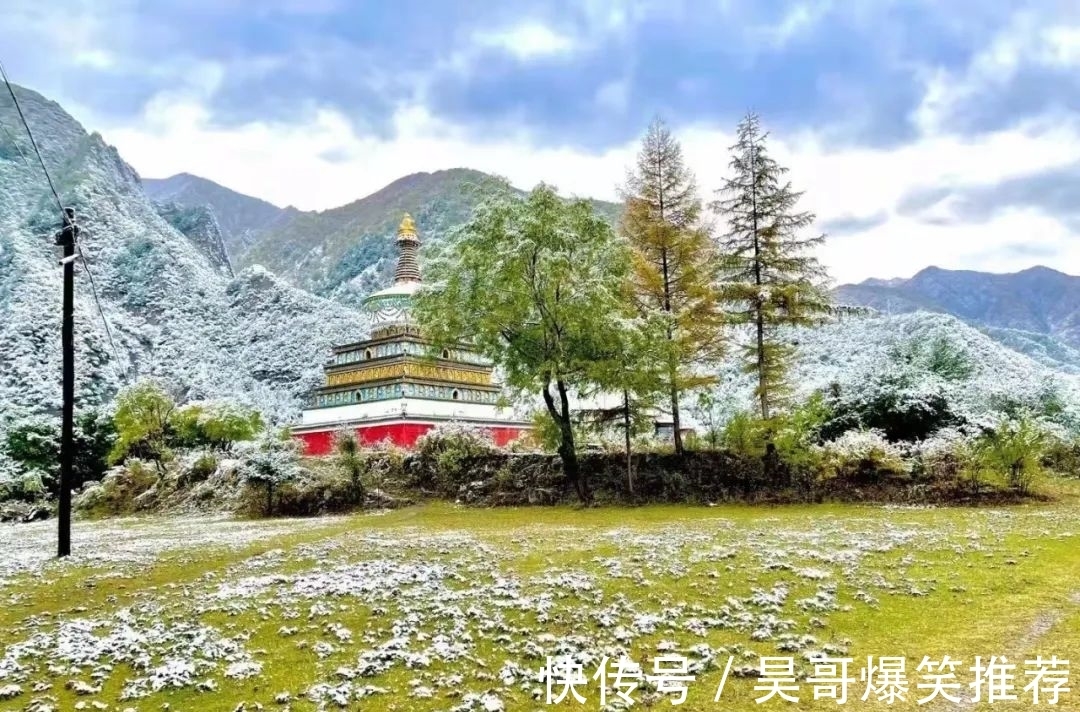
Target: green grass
{"points": [[913, 582]]}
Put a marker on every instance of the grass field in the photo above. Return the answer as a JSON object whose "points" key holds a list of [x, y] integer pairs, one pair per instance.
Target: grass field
{"points": [[442, 608]]}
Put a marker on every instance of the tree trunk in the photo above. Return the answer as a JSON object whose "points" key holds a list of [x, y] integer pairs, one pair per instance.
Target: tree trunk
{"points": [[629, 453], [567, 449], [676, 422], [269, 498], [763, 389]]}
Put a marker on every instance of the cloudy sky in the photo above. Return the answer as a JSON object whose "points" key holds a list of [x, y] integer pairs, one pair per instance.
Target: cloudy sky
{"points": [[923, 131]]}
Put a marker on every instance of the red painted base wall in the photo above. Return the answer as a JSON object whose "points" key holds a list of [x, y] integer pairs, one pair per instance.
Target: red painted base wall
{"points": [[404, 435]]}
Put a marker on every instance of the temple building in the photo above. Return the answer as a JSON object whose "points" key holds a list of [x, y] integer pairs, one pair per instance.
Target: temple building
{"points": [[391, 387]]}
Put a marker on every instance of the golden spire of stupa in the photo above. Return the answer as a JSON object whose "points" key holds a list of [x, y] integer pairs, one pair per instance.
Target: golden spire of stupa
{"points": [[407, 228], [408, 266]]}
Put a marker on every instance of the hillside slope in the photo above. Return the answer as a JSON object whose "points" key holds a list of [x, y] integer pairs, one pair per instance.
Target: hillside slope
{"points": [[174, 311], [856, 353], [242, 218]]}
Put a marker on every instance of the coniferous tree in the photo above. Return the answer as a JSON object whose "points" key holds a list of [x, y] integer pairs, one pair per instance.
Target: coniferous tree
{"points": [[771, 279], [674, 263]]}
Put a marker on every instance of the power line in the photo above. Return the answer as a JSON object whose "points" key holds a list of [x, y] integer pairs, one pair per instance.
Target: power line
{"points": [[30, 133], [15, 143], [59, 204], [52, 188], [97, 302]]}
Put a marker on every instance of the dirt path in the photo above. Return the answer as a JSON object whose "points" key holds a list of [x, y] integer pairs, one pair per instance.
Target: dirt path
{"points": [[1043, 624]]}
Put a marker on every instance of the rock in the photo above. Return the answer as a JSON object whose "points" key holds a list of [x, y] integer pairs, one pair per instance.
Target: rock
{"points": [[23, 512]]}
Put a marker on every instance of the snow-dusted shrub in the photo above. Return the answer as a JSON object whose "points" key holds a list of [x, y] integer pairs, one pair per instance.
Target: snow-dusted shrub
{"points": [[348, 457], [268, 462], [902, 404], [384, 465], [794, 434], [196, 466], [946, 455], [1062, 456], [313, 492], [443, 455], [864, 454], [744, 435], [124, 489]]}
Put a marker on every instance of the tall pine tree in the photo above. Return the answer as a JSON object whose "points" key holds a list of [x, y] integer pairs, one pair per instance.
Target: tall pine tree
{"points": [[675, 265], [771, 278]]}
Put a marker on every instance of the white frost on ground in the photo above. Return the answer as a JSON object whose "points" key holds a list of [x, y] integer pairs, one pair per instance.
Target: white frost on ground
{"points": [[451, 614]]}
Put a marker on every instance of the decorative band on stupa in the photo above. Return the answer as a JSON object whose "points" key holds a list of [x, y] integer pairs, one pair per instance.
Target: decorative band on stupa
{"points": [[408, 265]]}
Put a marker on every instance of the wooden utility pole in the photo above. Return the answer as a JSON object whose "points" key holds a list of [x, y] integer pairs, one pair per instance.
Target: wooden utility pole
{"points": [[66, 238]]}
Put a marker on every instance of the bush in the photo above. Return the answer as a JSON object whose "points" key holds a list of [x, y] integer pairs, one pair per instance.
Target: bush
{"points": [[744, 435], [794, 435], [347, 457], [124, 489], [24, 485], [863, 455], [197, 467], [444, 455], [901, 407], [946, 456], [311, 494], [1062, 455], [270, 462], [1014, 449]]}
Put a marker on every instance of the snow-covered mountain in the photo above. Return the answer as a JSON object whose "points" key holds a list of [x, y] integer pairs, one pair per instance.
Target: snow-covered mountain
{"points": [[163, 282], [1038, 300]]}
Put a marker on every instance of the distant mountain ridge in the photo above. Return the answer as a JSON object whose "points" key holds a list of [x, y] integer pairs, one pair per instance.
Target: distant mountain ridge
{"points": [[1029, 310], [344, 252], [241, 218]]}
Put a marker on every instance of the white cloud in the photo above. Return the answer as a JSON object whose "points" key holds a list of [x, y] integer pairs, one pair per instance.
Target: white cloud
{"points": [[322, 162], [527, 40], [1028, 40]]}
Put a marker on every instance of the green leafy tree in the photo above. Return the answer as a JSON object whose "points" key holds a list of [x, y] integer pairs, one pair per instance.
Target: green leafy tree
{"points": [[532, 283], [674, 271], [143, 428], [216, 425], [771, 279]]}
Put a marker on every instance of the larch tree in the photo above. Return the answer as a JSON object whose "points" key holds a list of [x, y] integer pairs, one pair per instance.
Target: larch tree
{"points": [[674, 271], [771, 279], [533, 283]]}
